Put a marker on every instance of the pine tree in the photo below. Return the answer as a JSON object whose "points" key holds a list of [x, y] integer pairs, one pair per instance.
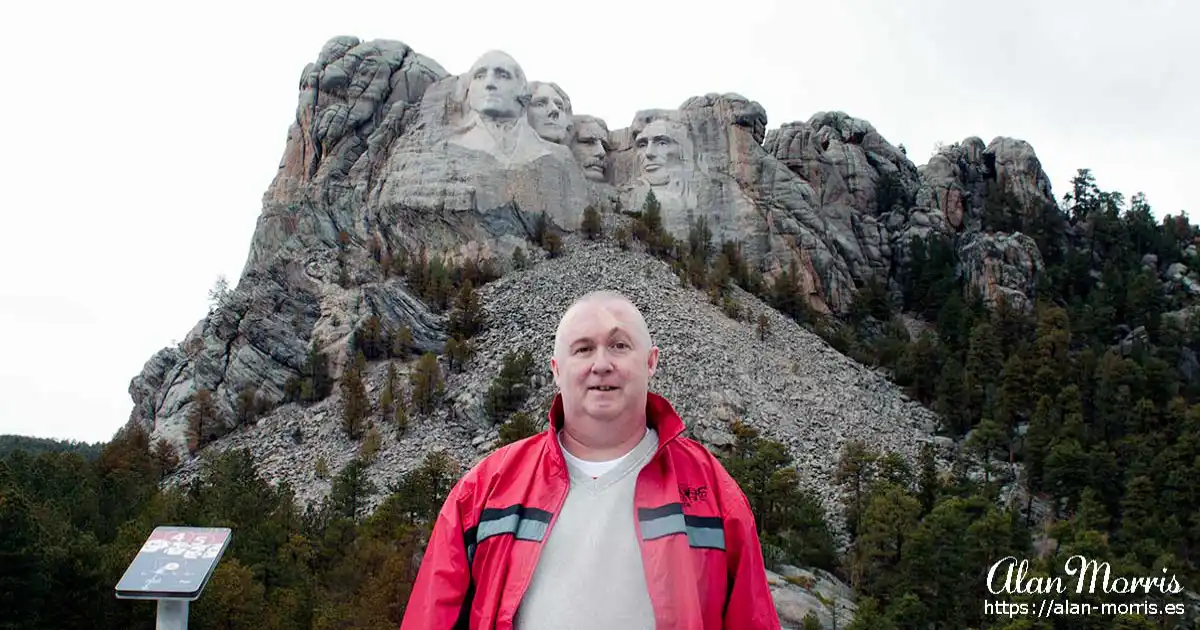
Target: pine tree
{"points": [[355, 407], [985, 440], [441, 285], [541, 228], [1067, 471], [621, 236], [369, 449], [466, 320], [652, 218], [855, 472], [1139, 523], [928, 482], [918, 368], [426, 383], [204, 422], [350, 491], [887, 518], [248, 406], [916, 277], [553, 245], [510, 388], [591, 225], [1015, 391], [519, 426], [387, 398], [458, 353], [400, 418], [314, 382], [950, 396], [1038, 439], [402, 343], [418, 272], [699, 245], [982, 369], [371, 340], [1114, 396], [719, 276]]}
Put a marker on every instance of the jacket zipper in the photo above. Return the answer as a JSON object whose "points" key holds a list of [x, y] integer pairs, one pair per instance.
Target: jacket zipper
{"points": [[637, 527], [537, 554]]}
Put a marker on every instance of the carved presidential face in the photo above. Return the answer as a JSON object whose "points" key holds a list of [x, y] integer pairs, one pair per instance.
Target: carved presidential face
{"points": [[589, 147], [660, 151], [496, 85], [549, 112]]}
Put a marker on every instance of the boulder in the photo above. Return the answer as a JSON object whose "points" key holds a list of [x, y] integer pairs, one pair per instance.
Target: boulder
{"points": [[1001, 264]]}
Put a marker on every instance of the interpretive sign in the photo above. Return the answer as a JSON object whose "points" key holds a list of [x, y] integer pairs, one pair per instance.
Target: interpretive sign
{"points": [[174, 563]]}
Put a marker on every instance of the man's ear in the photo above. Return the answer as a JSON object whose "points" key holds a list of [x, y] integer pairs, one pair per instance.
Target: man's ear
{"points": [[652, 360], [554, 369]]}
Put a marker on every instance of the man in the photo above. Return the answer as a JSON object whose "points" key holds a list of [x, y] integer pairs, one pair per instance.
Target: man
{"points": [[608, 519], [589, 144], [550, 111]]}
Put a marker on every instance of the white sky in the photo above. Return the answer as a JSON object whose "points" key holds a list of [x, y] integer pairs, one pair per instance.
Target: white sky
{"points": [[142, 136]]}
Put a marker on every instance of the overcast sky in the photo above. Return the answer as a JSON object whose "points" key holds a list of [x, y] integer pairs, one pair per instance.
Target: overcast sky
{"points": [[142, 136]]}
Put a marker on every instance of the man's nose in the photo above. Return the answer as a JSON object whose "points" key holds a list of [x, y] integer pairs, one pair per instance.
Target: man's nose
{"points": [[602, 363], [651, 151]]}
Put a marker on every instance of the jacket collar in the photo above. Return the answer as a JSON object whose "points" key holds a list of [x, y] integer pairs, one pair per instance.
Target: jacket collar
{"points": [[660, 416]]}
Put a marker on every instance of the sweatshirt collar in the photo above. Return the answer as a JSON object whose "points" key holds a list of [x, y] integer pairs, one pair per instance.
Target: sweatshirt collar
{"points": [[660, 415]]}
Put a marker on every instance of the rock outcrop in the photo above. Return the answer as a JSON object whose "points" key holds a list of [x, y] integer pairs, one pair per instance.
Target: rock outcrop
{"points": [[793, 387], [951, 202], [1002, 265], [388, 148], [799, 593], [858, 185]]}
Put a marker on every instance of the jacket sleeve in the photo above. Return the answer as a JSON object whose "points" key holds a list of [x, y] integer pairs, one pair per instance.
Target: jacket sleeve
{"points": [[441, 594], [749, 605]]}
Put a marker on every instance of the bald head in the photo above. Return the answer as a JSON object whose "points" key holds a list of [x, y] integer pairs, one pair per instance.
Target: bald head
{"points": [[611, 301]]}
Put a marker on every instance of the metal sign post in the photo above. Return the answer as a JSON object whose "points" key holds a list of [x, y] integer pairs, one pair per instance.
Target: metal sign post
{"points": [[173, 567]]}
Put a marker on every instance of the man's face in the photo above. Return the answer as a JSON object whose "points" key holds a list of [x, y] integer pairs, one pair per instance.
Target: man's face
{"points": [[495, 85], [589, 150], [602, 363], [659, 151], [548, 114]]}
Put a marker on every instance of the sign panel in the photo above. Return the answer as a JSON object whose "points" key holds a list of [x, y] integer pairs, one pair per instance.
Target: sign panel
{"points": [[174, 563]]}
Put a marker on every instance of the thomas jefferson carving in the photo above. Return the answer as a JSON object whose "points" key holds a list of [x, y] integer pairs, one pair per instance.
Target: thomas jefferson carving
{"points": [[550, 112], [497, 95], [589, 144]]}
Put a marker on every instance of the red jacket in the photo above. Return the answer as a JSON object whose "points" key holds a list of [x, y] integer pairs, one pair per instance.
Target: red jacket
{"points": [[487, 537]]}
